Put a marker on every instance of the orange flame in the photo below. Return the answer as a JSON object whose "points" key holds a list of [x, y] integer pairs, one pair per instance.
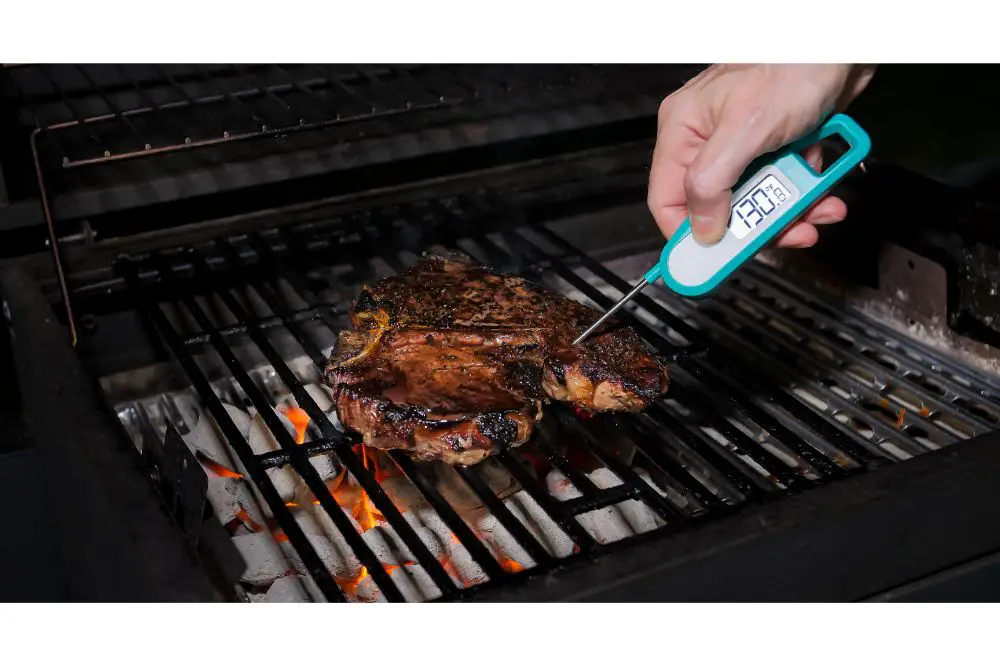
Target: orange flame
{"points": [[367, 515], [248, 521], [511, 566], [351, 586], [300, 420], [218, 469]]}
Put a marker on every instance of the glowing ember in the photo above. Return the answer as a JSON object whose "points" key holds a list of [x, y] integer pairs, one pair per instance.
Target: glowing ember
{"points": [[248, 521], [218, 469], [300, 420], [582, 413], [352, 585], [900, 417], [539, 464], [510, 566]]}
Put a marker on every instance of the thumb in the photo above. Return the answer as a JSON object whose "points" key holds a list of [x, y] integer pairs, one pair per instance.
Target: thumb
{"points": [[709, 180]]}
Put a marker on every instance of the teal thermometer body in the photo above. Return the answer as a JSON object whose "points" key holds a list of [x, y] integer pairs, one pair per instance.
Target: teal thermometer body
{"points": [[772, 193]]}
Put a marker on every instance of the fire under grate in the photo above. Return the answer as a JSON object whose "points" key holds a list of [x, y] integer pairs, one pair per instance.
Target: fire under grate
{"points": [[774, 391]]}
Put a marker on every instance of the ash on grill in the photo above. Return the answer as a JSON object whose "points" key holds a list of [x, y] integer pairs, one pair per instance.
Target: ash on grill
{"points": [[274, 571]]}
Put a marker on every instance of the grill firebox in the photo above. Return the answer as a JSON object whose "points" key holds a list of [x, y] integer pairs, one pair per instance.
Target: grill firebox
{"points": [[774, 392]]}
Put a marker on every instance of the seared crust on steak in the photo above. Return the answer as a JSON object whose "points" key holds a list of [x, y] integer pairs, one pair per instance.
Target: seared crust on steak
{"points": [[451, 361]]}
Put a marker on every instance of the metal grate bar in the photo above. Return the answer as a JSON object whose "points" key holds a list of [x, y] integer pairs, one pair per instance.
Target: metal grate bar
{"points": [[308, 474], [656, 502], [261, 323], [473, 480], [744, 406], [271, 299], [520, 533], [911, 446], [88, 123], [266, 91], [554, 509], [608, 497], [339, 83], [499, 255], [310, 263], [866, 339], [328, 430], [545, 446], [306, 471], [262, 122], [304, 87], [819, 372], [278, 431], [163, 117], [741, 406], [637, 485], [285, 520], [210, 109], [883, 340], [577, 534], [675, 469], [704, 446], [113, 108], [450, 517], [715, 442]]}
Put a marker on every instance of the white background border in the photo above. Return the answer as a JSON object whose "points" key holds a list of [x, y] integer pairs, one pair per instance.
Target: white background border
{"points": [[499, 31]]}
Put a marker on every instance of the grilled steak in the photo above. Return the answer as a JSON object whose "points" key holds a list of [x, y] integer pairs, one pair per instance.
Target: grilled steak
{"points": [[452, 361]]}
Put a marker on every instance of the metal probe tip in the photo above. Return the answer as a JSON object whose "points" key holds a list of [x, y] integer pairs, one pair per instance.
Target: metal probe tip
{"points": [[607, 315]]}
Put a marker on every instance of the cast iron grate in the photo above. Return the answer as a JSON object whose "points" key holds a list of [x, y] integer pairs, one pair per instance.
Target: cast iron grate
{"points": [[90, 114], [774, 390]]}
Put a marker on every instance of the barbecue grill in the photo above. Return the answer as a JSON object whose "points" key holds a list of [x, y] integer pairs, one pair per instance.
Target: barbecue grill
{"points": [[185, 243]]}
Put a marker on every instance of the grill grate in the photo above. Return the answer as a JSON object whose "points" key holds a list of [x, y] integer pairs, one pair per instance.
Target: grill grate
{"points": [[91, 114], [774, 391]]}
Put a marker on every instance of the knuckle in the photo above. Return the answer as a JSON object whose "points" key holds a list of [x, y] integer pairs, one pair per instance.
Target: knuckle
{"points": [[675, 104], [666, 110], [653, 201], [701, 184]]}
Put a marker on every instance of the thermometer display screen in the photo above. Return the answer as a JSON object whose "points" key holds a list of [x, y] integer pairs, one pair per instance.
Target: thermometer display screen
{"points": [[759, 202]]}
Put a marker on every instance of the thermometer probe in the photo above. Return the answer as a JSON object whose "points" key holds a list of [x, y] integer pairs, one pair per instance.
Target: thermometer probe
{"points": [[773, 192]]}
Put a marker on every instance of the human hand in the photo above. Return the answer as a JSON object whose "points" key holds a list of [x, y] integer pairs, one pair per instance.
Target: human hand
{"points": [[710, 130]]}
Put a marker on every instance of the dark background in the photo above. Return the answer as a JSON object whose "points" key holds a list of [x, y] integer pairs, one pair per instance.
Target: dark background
{"points": [[938, 120]]}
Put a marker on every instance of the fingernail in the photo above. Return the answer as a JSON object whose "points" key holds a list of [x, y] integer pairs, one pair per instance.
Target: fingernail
{"points": [[827, 219], [703, 229]]}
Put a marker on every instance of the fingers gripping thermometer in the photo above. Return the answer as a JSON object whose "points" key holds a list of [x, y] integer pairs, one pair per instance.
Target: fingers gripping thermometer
{"points": [[772, 193]]}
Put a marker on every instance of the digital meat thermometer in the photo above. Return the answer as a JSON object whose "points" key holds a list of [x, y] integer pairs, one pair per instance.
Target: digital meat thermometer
{"points": [[773, 192]]}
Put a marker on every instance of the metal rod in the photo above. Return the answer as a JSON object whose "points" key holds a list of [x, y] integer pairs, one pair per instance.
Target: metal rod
{"points": [[617, 306], [53, 241]]}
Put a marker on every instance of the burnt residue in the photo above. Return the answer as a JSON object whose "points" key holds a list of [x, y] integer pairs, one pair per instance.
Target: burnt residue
{"points": [[524, 377], [364, 302], [500, 429]]}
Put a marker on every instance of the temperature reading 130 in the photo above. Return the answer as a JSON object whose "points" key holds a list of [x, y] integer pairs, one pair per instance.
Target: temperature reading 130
{"points": [[757, 204]]}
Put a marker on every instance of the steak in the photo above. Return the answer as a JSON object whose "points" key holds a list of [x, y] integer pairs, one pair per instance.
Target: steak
{"points": [[452, 361]]}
